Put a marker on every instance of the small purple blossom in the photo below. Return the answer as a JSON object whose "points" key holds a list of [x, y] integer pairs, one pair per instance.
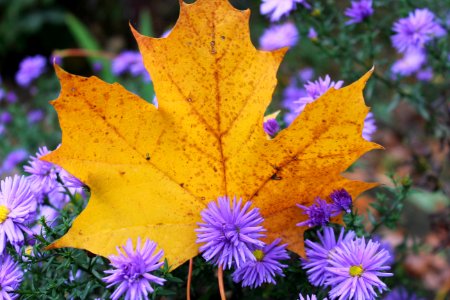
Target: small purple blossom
{"points": [[2, 94], [315, 89], [312, 34], [279, 36], [35, 116], [416, 30], [17, 208], [266, 266], [425, 74], [49, 214], [401, 293], [290, 95], [318, 213], [318, 253], [43, 178], [355, 268], [370, 127], [306, 74], [410, 63], [10, 277], [30, 68], [359, 11], [5, 117], [11, 97], [276, 9], [230, 232], [130, 62], [342, 201], [131, 270], [13, 159], [271, 127]]}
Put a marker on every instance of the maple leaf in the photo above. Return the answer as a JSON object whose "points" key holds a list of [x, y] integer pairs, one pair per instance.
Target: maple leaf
{"points": [[152, 170]]}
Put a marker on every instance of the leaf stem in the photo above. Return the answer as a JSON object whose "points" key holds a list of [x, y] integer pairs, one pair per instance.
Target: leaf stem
{"points": [[221, 287], [189, 280]]}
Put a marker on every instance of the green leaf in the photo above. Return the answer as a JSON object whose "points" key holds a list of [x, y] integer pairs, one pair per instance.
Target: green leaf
{"points": [[87, 41]]}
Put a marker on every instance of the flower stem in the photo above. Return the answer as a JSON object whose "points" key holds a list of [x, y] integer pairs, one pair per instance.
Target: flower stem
{"points": [[189, 279], [220, 279]]}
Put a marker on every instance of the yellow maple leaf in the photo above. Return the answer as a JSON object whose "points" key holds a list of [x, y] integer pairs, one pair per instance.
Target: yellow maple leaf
{"points": [[152, 170]]}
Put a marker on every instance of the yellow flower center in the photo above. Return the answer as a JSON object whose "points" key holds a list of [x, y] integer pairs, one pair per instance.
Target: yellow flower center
{"points": [[316, 12], [356, 270], [259, 255], [28, 250], [4, 211]]}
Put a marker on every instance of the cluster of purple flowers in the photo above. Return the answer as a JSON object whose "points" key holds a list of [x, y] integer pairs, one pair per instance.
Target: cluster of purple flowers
{"points": [[348, 265], [30, 69], [231, 235], [22, 202], [320, 212], [296, 99], [412, 34], [130, 62]]}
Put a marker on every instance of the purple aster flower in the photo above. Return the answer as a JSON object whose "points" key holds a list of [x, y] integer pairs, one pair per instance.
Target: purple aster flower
{"points": [[306, 74], [71, 181], [279, 36], [230, 232], [315, 89], [401, 293], [410, 63], [359, 11], [11, 97], [13, 159], [386, 246], [342, 201], [276, 9], [271, 127], [17, 208], [49, 214], [312, 34], [416, 30], [318, 213], [425, 74], [2, 94], [318, 254], [5, 117], [355, 268], [370, 127], [308, 297], [2, 129], [292, 93], [30, 68], [132, 270], [34, 116], [130, 62], [43, 176], [266, 266], [10, 277]]}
